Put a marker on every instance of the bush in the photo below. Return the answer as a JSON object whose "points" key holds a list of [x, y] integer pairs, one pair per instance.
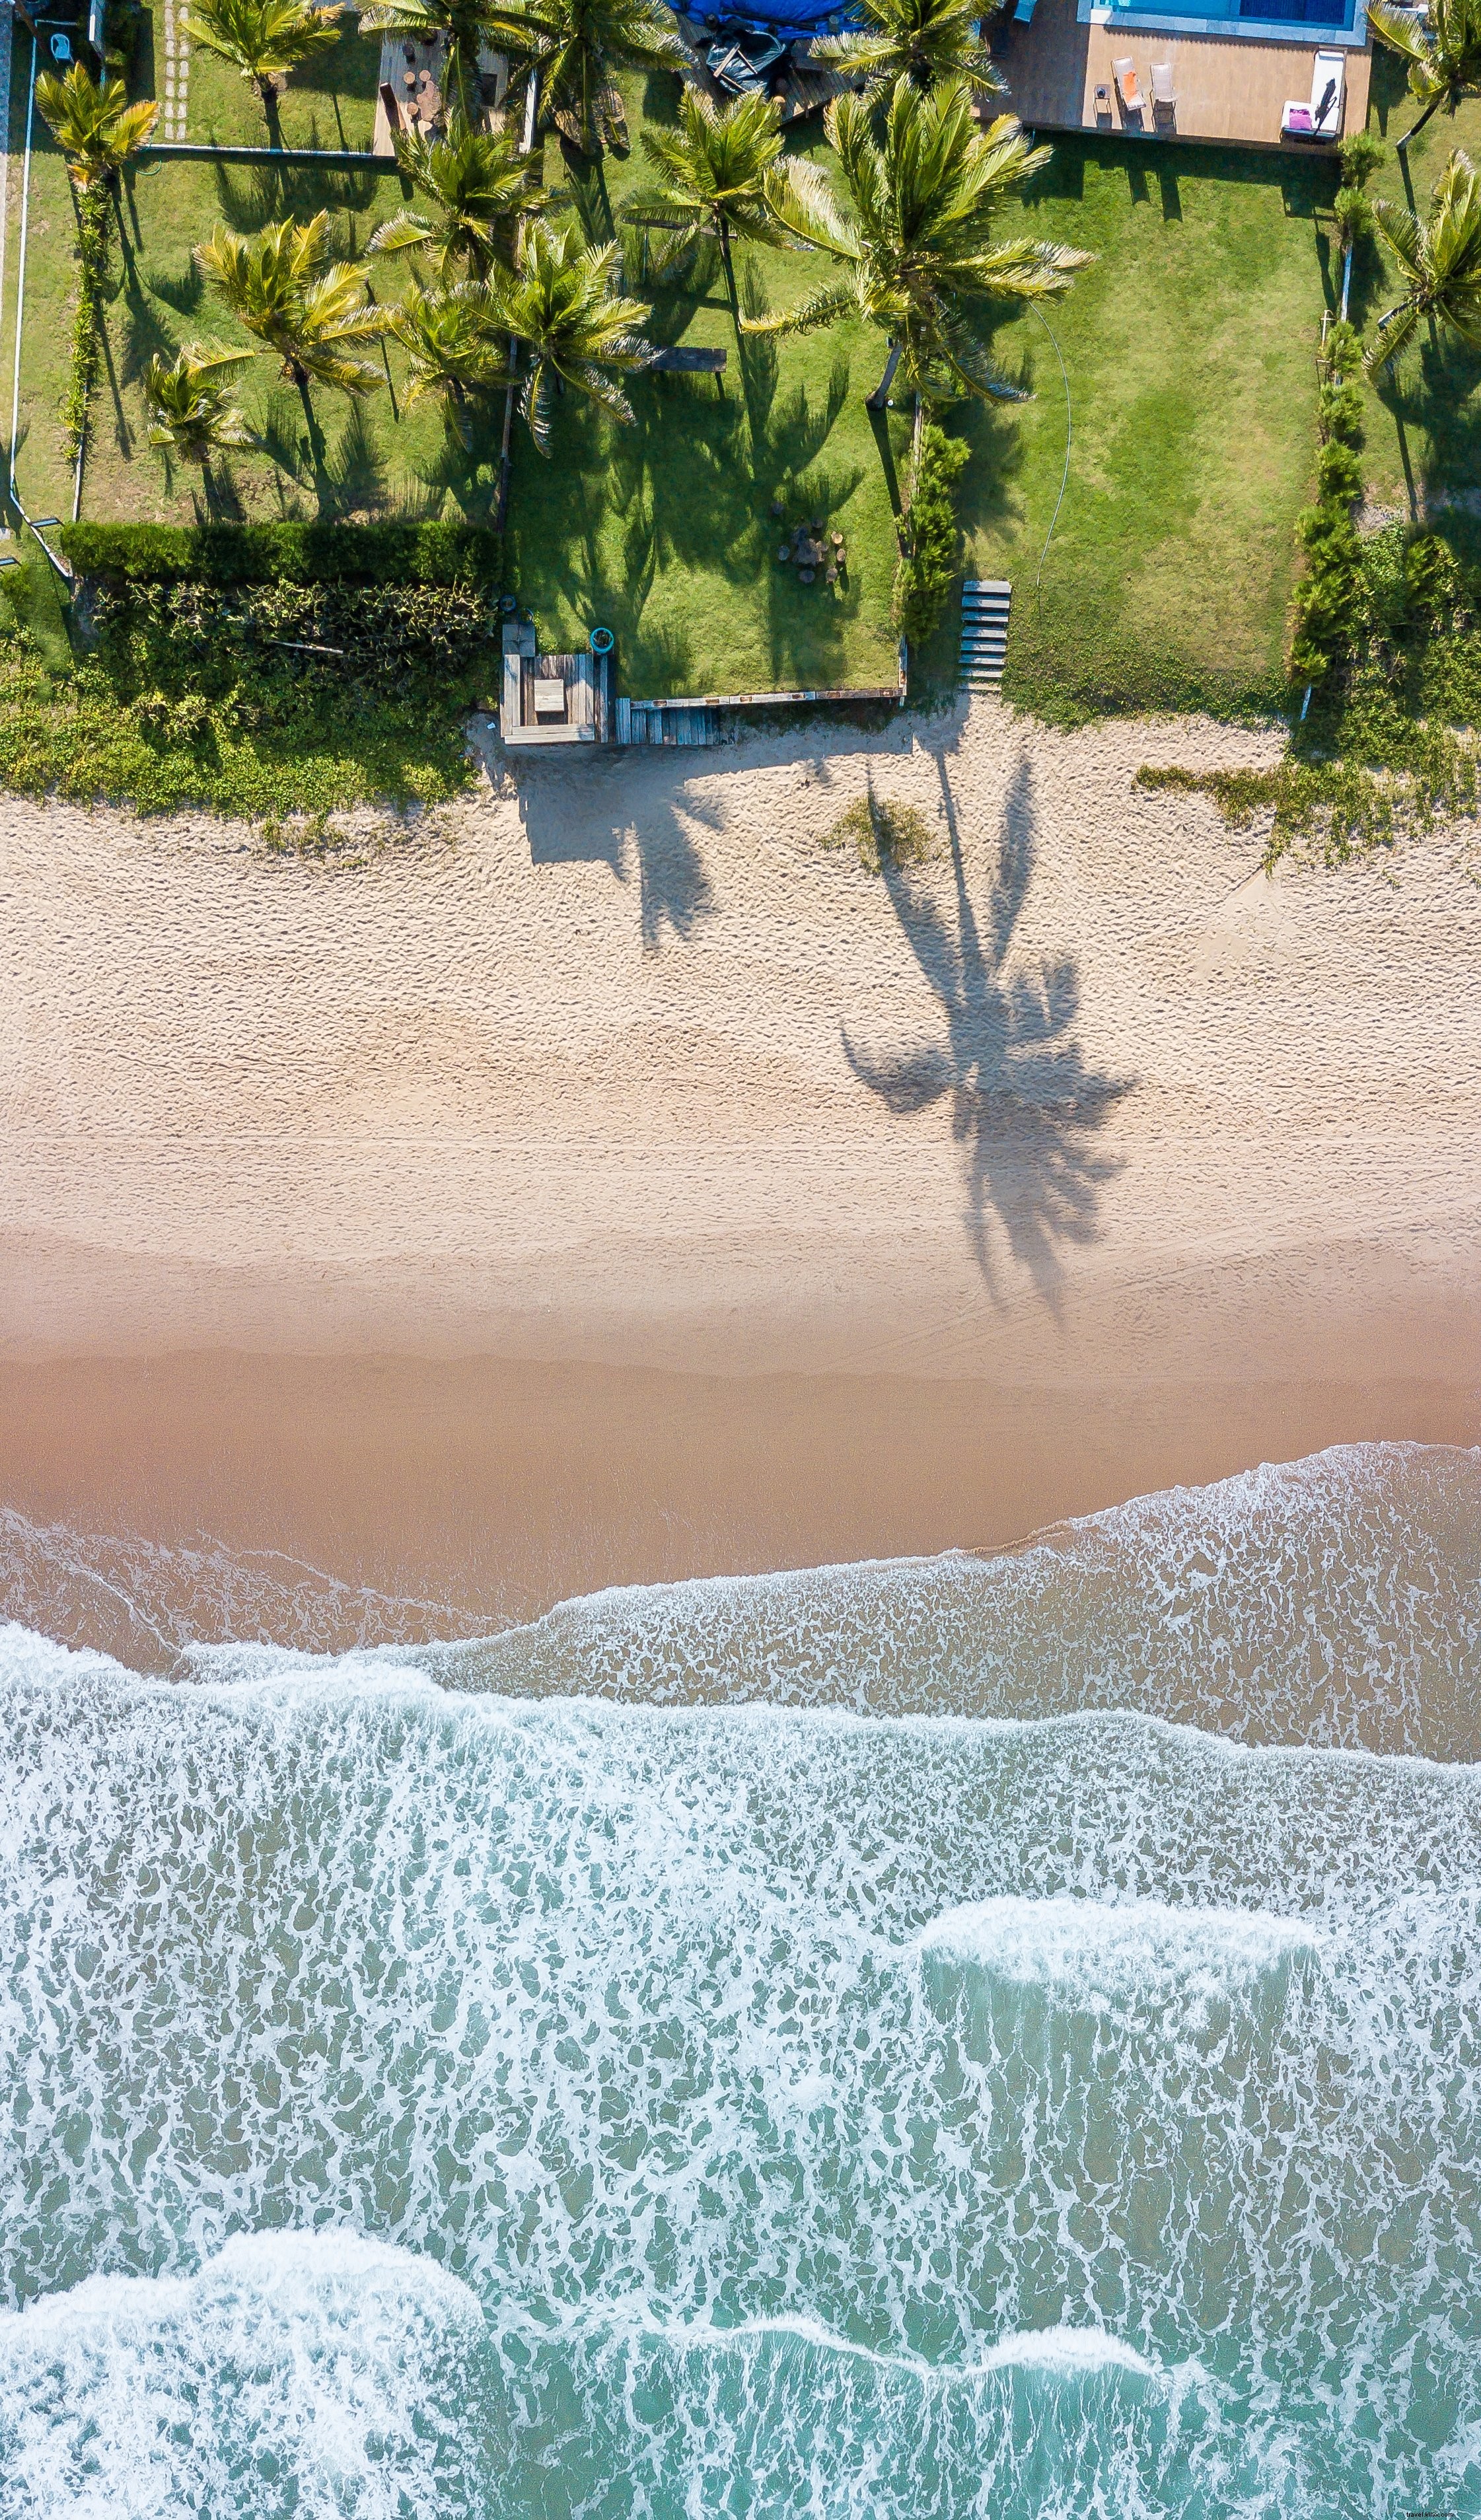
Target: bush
{"points": [[1339, 473], [250, 640], [1330, 608], [1360, 155], [87, 321], [1339, 411], [884, 831], [928, 532], [293, 555]]}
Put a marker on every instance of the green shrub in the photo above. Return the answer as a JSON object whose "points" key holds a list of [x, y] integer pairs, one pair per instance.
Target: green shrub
{"points": [[884, 831], [1330, 608], [1339, 473], [1432, 579], [1339, 411], [251, 640], [87, 319], [928, 561], [392, 553], [1360, 155], [1343, 350]]}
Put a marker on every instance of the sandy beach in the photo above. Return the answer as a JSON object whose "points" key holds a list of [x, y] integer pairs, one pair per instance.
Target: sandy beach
{"points": [[671, 1191]]}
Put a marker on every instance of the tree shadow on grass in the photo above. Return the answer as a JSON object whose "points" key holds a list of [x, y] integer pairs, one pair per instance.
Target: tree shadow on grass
{"points": [[1026, 1110], [255, 197]]}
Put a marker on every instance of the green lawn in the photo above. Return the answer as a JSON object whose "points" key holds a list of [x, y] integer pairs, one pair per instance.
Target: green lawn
{"points": [[1189, 347]]}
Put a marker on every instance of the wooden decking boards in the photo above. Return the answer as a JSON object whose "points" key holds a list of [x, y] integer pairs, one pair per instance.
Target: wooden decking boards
{"points": [[1227, 87]]}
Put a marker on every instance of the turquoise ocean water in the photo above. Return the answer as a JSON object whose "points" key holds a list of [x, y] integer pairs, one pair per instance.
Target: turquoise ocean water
{"points": [[995, 2038]]}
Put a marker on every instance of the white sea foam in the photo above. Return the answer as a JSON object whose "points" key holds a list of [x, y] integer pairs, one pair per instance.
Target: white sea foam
{"points": [[1096, 1945], [1029, 2112], [319, 2373]]}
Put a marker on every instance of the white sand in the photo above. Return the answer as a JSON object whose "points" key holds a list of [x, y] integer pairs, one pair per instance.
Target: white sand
{"points": [[626, 1065]]}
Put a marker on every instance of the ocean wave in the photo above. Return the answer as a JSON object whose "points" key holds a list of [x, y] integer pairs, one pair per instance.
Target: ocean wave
{"points": [[1334, 1600], [322, 2374]]}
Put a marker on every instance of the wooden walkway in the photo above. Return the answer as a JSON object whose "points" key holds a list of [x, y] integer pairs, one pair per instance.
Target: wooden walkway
{"points": [[1229, 87]]}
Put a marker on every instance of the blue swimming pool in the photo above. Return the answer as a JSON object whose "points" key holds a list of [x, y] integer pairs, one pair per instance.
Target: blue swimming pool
{"points": [[1342, 22]]}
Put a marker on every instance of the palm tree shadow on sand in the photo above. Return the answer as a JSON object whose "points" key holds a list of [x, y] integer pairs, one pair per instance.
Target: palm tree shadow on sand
{"points": [[1026, 1110]]}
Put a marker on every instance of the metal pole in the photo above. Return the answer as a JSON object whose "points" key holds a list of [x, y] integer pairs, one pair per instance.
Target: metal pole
{"points": [[26, 212], [502, 510]]}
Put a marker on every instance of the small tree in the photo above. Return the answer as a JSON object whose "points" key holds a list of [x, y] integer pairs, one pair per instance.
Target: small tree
{"points": [[478, 186], [913, 236], [1439, 261], [96, 128], [263, 39], [933, 43], [1443, 50], [563, 306], [454, 351], [190, 411], [577, 47]]}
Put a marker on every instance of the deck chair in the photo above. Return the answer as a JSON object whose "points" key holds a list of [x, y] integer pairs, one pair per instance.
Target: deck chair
{"points": [[1327, 75], [1124, 73], [1164, 94]]}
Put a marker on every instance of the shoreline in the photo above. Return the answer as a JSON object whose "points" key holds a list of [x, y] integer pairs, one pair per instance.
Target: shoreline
{"points": [[622, 1179]]}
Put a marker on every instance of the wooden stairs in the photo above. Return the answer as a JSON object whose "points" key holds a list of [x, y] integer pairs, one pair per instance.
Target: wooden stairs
{"points": [[984, 630]]}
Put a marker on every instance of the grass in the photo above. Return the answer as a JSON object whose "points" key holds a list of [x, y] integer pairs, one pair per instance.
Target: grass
{"points": [[664, 531], [1190, 347]]}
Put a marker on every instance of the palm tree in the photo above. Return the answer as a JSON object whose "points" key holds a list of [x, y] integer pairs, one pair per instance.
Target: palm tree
{"points": [[478, 183], [1443, 50], [933, 43], [562, 305], [713, 167], [577, 47], [281, 285], [189, 412], [454, 348], [96, 128], [1439, 262], [914, 236], [263, 39]]}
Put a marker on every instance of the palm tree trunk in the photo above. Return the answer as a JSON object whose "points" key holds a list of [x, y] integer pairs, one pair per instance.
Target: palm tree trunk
{"points": [[1433, 107], [876, 400]]}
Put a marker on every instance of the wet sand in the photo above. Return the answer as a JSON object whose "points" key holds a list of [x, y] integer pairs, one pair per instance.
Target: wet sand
{"points": [[443, 1496], [616, 1182]]}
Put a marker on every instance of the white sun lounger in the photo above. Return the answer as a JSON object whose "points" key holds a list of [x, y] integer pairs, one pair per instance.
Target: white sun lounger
{"points": [[1322, 119], [1164, 94], [1124, 73]]}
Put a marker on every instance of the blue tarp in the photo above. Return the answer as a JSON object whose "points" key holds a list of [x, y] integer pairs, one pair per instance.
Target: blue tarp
{"points": [[791, 21]]}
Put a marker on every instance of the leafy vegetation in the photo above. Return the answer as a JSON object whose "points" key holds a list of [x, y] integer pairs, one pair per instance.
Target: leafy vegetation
{"points": [[914, 236], [395, 553], [1328, 602], [933, 43], [1439, 263], [1442, 49], [884, 831], [161, 721], [577, 48], [262, 40], [929, 538]]}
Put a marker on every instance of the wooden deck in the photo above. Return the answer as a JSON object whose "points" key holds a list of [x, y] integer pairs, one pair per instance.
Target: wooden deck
{"points": [[1230, 88]]}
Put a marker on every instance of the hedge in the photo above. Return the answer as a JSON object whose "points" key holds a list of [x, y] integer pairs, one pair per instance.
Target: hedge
{"points": [[293, 555]]}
